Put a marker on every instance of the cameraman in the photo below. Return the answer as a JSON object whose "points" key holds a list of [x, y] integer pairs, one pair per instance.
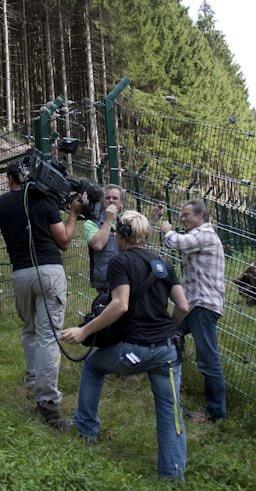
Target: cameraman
{"points": [[42, 354], [150, 341], [100, 235]]}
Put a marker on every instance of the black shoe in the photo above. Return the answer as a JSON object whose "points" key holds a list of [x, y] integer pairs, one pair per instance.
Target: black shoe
{"points": [[53, 418]]}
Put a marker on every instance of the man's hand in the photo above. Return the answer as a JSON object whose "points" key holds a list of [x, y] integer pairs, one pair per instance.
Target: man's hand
{"points": [[73, 335], [63, 233], [111, 213], [100, 238], [156, 213], [77, 204], [165, 227]]}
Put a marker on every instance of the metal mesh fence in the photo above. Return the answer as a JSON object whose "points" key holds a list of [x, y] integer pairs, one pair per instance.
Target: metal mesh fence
{"points": [[13, 142], [171, 158]]}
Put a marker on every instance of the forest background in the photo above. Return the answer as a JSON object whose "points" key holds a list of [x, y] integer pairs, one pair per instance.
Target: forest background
{"points": [[81, 49]]}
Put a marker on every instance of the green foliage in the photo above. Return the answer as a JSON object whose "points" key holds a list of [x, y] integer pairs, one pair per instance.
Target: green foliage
{"points": [[36, 458], [156, 44], [153, 42]]}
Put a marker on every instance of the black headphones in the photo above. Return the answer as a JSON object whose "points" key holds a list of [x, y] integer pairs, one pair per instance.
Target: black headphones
{"points": [[123, 229]]}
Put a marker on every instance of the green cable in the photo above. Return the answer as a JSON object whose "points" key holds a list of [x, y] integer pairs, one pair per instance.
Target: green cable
{"points": [[177, 420]]}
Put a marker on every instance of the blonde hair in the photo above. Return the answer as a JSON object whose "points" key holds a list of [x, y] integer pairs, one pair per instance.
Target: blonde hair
{"points": [[140, 227]]}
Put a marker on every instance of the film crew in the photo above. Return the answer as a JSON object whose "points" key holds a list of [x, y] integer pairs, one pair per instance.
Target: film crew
{"points": [[100, 235], [35, 286], [203, 283], [150, 342]]}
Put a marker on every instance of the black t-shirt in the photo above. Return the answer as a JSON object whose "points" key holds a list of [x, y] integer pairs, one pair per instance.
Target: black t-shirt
{"points": [[43, 211], [147, 319]]}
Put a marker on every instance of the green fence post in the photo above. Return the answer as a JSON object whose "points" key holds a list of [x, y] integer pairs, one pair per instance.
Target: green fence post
{"points": [[207, 193], [168, 186], [111, 134], [100, 170], [190, 186], [137, 179], [41, 127], [223, 219]]}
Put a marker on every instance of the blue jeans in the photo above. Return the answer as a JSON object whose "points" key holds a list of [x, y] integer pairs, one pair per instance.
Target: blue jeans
{"points": [[156, 361], [202, 323]]}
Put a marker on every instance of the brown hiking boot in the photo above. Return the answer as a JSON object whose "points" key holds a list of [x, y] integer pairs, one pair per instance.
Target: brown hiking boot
{"points": [[53, 418]]}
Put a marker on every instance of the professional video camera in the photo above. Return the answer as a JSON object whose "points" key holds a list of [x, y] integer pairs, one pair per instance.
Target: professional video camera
{"points": [[52, 179]]}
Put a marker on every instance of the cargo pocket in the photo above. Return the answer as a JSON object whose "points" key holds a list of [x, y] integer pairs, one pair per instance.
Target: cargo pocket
{"points": [[57, 311]]}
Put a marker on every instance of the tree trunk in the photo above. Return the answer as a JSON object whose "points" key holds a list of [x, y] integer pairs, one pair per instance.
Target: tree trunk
{"points": [[50, 76], [103, 59], [7, 68], [26, 73], [94, 144], [64, 82]]}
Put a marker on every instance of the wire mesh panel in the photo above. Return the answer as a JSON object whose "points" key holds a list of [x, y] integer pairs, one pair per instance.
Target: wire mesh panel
{"points": [[13, 143], [6, 292], [171, 158], [76, 265]]}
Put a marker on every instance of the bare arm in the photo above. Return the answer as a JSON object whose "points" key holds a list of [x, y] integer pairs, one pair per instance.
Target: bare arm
{"points": [[114, 310], [181, 307], [63, 232], [100, 238]]}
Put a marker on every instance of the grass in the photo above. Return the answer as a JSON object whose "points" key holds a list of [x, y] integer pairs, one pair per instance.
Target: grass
{"points": [[221, 456]]}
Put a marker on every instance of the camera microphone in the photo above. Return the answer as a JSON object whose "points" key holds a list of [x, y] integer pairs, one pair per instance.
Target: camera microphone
{"points": [[94, 191]]}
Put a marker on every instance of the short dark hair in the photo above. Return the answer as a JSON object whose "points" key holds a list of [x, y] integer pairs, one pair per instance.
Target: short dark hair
{"points": [[13, 171], [115, 186], [198, 206]]}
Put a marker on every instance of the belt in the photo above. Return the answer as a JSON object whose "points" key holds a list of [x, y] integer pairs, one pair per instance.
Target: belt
{"points": [[164, 342]]}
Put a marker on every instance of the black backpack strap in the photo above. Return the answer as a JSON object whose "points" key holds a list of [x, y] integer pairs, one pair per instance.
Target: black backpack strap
{"points": [[142, 253], [146, 284], [150, 279]]}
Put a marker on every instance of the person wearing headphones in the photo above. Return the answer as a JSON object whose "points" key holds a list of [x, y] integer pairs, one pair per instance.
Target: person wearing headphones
{"points": [[150, 341]]}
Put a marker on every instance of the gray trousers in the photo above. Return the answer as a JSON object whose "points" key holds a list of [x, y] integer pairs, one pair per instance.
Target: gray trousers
{"points": [[41, 351]]}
